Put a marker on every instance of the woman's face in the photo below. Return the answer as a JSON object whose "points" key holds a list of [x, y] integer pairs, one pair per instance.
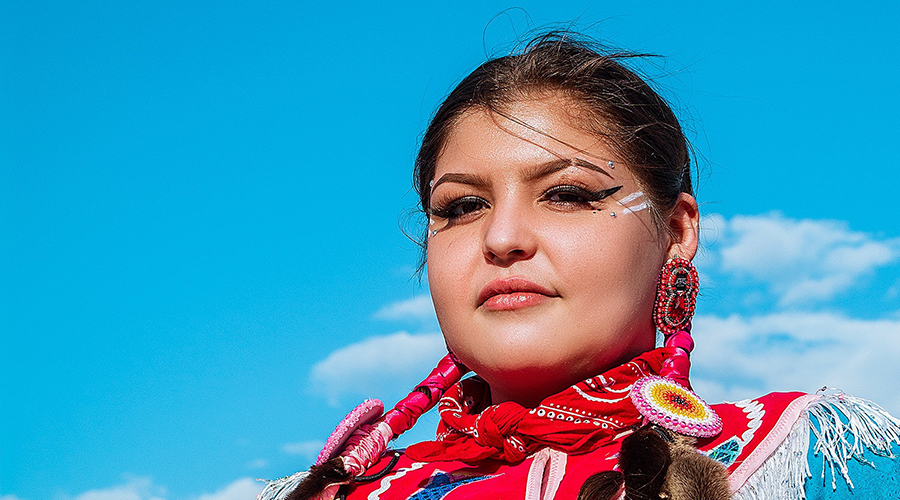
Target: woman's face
{"points": [[536, 284]]}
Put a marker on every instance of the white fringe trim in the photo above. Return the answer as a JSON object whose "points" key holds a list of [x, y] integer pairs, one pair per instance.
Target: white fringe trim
{"points": [[868, 426], [278, 489], [783, 474], [865, 426]]}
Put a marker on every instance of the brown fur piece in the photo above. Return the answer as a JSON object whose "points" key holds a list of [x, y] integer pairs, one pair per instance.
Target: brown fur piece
{"points": [[604, 485], [658, 464], [319, 477], [644, 460], [693, 475]]}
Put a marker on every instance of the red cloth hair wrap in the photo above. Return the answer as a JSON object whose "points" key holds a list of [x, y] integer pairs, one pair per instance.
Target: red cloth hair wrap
{"points": [[404, 415]]}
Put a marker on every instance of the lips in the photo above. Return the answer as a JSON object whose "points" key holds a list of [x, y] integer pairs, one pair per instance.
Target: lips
{"points": [[512, 293]]}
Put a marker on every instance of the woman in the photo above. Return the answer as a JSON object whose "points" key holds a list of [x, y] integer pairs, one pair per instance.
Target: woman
{"points": [[561, 225]]}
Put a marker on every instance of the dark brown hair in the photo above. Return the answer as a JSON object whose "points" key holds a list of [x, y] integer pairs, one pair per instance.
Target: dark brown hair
{"points": [[613, 102]]}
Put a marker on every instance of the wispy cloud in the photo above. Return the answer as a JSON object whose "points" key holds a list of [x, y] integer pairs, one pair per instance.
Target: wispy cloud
{"points": [[893, 291], [306, 449], [136, 487], [133, 487], [377, 366], [738, 357], [802, 261], [419, 308], [259, 463], [241, 489]]}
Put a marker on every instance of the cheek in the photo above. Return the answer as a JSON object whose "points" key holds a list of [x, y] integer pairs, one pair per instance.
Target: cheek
{"points": [[447, 264], [606, 264], [455, 263]]}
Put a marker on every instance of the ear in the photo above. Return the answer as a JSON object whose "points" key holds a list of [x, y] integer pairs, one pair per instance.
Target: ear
{"points": [[684, 227]]}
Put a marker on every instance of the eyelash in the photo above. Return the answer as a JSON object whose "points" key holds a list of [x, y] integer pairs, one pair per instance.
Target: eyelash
{"points": [[586, 198], [447, 211]]}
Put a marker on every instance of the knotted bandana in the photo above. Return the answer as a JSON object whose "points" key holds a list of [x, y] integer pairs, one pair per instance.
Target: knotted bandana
{"points": [[575, 420]]}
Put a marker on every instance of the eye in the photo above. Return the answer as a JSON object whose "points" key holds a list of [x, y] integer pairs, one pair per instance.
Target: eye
{"points": [[572, 196], [567, 195], [460, 207]]}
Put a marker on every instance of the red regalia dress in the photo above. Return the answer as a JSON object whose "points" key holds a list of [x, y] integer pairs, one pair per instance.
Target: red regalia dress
{"points": [[506, 451]]}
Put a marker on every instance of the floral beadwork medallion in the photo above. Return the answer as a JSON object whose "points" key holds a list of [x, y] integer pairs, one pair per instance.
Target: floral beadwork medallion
{"points": [[669, 405]]}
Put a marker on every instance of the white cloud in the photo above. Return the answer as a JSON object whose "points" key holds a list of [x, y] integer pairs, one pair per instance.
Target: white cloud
{"points": [[137, 487], [377, 365], [893, 291], [802, 261], [9, 497], [259, 463], [307, 449], [738, 357], [242, 489], [134, 488], [416, 308]]}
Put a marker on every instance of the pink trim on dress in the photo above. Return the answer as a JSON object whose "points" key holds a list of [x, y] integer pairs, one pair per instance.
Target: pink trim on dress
{"points": [[771, 442]]}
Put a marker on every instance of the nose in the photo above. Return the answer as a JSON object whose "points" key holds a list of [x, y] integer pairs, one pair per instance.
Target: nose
{"points": [[509, 236]]}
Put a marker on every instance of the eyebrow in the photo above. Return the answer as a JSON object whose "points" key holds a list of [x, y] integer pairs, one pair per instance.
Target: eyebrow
{"points": [[533, 173], [545, 169], [470, 179]]}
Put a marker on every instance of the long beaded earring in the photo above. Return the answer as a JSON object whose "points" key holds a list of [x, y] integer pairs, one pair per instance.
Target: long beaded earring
{"points": [[667, 400], [676, 296]]}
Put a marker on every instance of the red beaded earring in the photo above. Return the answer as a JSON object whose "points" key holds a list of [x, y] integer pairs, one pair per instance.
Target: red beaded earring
{"points": [[667, 400], [676, 296]]}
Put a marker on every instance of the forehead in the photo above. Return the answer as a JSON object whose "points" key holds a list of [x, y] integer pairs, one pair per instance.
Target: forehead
{"points": [[523, 134]]}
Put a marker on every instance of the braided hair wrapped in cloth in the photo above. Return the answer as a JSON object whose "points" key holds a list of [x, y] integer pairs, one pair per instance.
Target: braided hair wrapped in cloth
{"points": [[561, 228]]}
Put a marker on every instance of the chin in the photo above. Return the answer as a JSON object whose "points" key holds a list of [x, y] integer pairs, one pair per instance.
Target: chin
{"points": [[528, 374], [516, 351]]}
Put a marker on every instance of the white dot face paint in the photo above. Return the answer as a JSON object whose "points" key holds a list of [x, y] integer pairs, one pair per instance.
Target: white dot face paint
{"points": [[637, 196], [431, 226]]}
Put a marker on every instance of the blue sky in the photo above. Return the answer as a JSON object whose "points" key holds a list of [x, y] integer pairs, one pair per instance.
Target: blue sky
{"points": [[200, 208]]}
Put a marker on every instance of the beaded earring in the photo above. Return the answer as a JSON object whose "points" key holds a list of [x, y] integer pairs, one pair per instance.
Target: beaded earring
{"points": [[667, 400], [676, 296]]}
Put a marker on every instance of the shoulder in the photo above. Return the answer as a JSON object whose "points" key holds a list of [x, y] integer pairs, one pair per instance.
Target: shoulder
{"points": [[824, 446]]}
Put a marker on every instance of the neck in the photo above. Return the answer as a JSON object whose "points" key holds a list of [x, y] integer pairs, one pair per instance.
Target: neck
{"points": [[530, 387]]}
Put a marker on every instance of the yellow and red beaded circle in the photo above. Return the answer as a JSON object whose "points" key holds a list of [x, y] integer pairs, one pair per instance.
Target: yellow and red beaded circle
{"points": [[673, 407]]}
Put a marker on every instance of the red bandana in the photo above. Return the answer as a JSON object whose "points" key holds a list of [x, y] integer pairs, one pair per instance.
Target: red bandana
{"points": [[576, 419]]}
